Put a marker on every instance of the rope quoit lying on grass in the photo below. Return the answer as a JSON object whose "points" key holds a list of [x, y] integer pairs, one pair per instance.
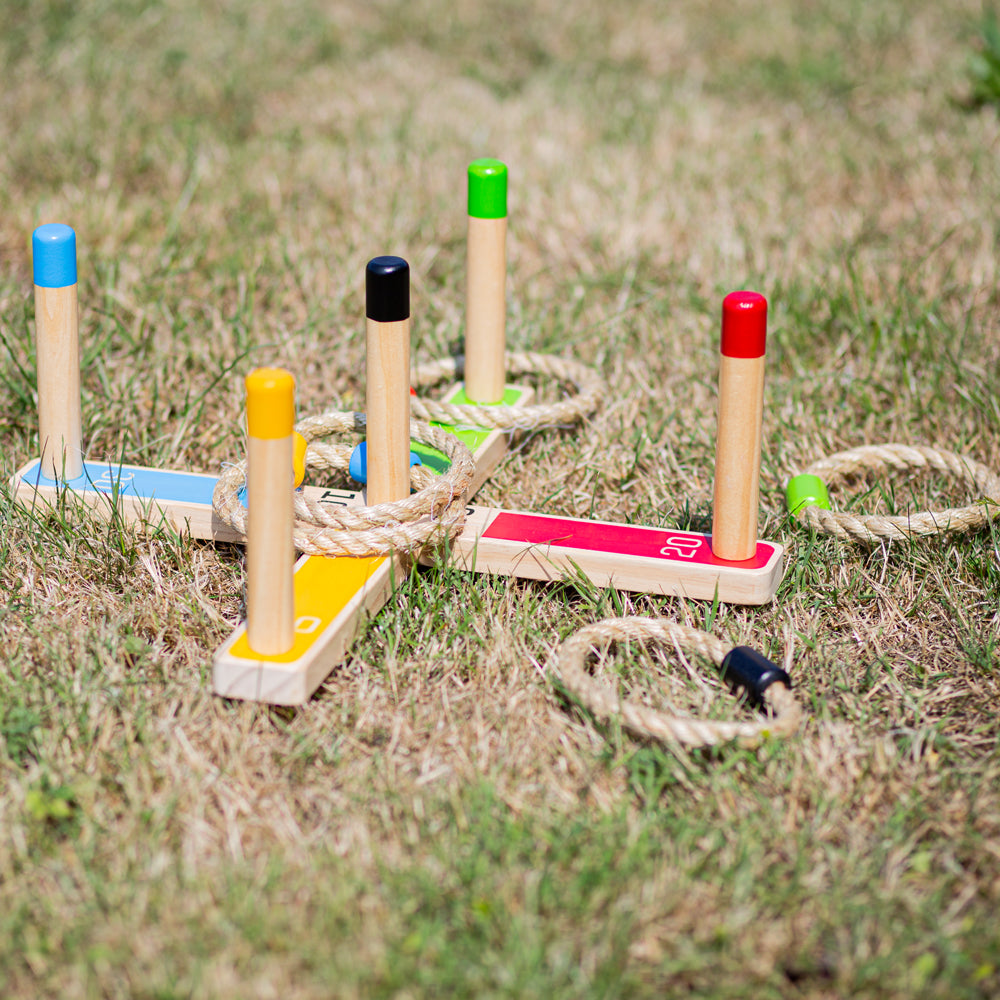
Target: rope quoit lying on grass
{"points": [[764, 682], [432, 514], [809, 502], [565, 412]]}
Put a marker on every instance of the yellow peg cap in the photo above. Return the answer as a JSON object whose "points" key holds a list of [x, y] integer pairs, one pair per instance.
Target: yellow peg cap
{"points": [[299, 445], [270, 403]]}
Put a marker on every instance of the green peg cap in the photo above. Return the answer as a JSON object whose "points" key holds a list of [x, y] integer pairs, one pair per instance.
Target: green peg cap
{"points": [[806, 491], [488, 189]]}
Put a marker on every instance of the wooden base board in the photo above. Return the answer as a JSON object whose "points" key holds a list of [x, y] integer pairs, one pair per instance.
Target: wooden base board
{"points": [[625, 556], [531, 546], [183, 500], [152, 497], [334, 597]]}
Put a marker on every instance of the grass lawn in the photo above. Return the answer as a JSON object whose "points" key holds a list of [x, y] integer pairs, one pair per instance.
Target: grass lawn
{"points": [[437, 821]]}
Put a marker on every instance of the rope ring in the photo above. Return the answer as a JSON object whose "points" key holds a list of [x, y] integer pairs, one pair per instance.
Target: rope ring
{"points": [[584, 401], [809, 502], [649, 723], [435, 491], [435, 511]]}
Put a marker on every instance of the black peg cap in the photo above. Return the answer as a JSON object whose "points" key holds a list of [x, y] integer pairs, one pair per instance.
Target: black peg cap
{"points": [[745, 668], [387, 289]]}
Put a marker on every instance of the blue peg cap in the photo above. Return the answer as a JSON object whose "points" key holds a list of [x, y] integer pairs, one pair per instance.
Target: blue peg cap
{"points": [[53, 250]]}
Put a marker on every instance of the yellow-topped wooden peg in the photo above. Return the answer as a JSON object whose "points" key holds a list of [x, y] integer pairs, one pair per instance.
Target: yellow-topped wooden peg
{"points": [[270, 549]]}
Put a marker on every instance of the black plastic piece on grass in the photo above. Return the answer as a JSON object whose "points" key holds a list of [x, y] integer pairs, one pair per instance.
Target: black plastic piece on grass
{"points": [[745, 668]]}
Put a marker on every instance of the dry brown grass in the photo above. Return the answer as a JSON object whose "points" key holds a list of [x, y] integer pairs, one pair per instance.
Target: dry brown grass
{"points": [[437, 820]]}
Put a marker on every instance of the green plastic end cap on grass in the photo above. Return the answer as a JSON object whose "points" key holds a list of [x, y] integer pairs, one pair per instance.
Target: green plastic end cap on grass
{"points": [[806, 491], [488, 189]]}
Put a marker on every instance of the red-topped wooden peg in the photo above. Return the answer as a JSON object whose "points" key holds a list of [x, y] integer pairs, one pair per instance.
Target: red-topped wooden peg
{"points": [[741, 412]]}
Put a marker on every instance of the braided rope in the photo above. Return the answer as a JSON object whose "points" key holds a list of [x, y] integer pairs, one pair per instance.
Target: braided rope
{"points": [[601, 701], [434, 512], [885, 457], [565, 412]]}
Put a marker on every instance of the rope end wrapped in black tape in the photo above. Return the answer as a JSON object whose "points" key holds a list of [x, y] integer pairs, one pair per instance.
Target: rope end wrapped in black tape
{"points": [[744, 668]]}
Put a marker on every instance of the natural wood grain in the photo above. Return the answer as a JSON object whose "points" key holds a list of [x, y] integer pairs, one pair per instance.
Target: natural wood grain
{"points": [[485, 310], [387, 401], [60, 424], [737, 457], [270, 551]]}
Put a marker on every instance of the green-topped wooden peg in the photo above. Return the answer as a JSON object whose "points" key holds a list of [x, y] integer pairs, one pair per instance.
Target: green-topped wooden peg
{"points": [[486, 282]]}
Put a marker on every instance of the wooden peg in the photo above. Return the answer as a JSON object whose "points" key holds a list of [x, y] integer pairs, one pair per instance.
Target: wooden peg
{"points": [[387, 400], [270, 549], [58, 351], [741, 412], [486, 271]]}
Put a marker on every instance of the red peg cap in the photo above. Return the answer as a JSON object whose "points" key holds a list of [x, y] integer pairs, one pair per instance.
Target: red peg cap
{"points": [[744, 325]]}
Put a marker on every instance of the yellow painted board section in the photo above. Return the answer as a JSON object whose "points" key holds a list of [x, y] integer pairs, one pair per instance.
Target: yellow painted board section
{"points": [[323, 588], [333, 597]]}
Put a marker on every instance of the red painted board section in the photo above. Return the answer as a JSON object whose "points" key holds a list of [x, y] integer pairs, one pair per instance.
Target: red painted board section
{"points": [[624, 539]]}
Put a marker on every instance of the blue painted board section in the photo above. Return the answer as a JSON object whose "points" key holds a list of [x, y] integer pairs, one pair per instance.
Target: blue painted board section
{"points": [[131, 480]]}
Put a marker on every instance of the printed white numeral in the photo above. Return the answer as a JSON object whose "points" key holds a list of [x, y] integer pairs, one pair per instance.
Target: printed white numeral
{"points": [[680, 547], [109, 480]]}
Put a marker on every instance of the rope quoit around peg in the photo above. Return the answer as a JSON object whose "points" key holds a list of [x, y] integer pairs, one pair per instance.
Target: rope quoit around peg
{"points": [[433, 513], [763, 682], [587, 397], [809, 501]]}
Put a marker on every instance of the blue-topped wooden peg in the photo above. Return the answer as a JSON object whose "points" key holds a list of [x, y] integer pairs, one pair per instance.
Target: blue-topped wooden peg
{"points": [[60, 425]]}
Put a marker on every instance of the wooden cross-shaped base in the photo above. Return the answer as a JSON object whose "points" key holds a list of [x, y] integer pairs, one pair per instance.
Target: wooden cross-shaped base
{"points": [[335, 596]]}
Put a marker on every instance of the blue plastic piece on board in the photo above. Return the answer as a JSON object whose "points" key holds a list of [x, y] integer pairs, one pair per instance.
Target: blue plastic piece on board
{"points": [[53, 255], [357, 468]]}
